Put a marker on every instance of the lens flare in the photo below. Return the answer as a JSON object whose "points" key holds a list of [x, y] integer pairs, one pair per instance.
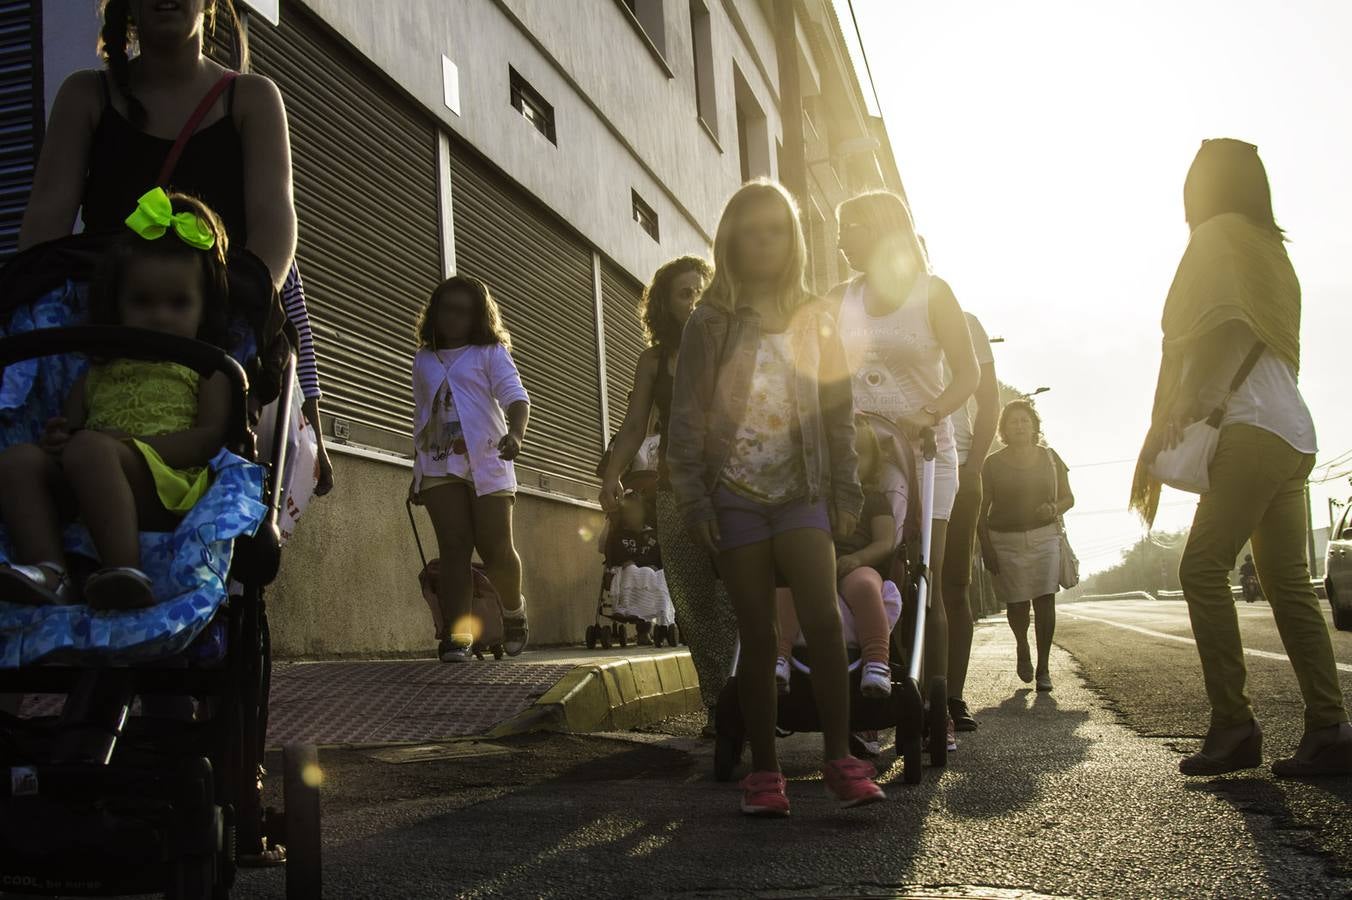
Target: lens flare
{"points": [[470, 624], [312, 775]]}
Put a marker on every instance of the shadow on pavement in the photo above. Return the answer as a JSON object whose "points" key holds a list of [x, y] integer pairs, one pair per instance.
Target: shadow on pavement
{"points": [[1288, 806], [1024, 742]]}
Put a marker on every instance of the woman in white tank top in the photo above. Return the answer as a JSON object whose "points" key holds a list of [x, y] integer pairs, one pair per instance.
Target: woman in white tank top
{"points": [[899, 324]]}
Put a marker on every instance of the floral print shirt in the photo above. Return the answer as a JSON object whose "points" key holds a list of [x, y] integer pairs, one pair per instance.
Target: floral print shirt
{"points": [[443, 448], [766, 462]]}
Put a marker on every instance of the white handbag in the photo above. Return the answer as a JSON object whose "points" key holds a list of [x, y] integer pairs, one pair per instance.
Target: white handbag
{"points": [[1187, 465], [1069, 576], [301, 475]]}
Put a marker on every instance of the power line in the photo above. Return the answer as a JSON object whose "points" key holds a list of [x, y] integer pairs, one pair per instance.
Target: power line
{"points": [[863, 51]]}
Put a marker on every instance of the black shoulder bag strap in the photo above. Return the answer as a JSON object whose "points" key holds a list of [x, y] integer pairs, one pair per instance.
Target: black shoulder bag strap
{"points": [[1217, 414]]}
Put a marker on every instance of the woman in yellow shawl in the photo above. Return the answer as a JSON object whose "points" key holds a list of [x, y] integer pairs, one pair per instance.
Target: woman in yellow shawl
{"points": [[1236, 293]]}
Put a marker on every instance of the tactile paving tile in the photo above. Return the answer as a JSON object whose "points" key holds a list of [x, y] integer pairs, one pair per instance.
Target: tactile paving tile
{"points": [[370, 702], [374, 701]]}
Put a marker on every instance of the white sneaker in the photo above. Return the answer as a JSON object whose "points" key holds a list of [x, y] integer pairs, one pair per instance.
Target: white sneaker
{"points": [[782, 674], [515, 630], [876, 682]]}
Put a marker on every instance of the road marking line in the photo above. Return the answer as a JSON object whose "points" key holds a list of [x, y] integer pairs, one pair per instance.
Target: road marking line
{"points": [[1262, 654]]}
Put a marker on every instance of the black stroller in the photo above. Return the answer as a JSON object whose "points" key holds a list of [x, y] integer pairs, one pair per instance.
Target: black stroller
{"points": [[99, 802], [915, 713]]}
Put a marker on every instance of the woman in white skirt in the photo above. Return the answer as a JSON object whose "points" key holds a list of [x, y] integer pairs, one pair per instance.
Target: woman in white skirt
{"points": [[1025, 493]]}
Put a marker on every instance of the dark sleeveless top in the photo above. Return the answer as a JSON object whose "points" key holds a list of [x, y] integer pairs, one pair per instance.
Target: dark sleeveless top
{"points": [[662, 388], [124, 163]]}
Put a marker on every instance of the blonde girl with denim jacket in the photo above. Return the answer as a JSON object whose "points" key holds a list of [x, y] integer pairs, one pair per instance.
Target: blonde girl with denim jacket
{"points": [[761, 458]]}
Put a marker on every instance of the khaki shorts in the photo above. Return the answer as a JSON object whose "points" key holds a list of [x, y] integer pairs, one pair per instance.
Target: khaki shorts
{"points": [[962, 533], [435, 481]]}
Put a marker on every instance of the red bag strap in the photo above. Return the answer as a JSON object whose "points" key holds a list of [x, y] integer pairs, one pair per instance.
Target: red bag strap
{"points": [[190, 127]]}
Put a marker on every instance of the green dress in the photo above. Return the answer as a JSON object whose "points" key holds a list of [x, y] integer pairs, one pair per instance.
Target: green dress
{"points": [[146, 398]]}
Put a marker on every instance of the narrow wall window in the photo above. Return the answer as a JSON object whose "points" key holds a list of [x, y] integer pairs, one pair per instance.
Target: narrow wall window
{"points": [[649, 16], [753, 134], [701, 33], [533, 108], [645, 216]]}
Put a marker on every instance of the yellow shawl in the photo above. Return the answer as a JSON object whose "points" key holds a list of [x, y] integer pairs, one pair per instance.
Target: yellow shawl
{"points": [[1232, 270]]}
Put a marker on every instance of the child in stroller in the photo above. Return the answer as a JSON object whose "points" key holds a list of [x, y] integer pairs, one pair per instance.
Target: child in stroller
{"points": [[633, 559], [863, 561], [107, 803], [130, 452]]}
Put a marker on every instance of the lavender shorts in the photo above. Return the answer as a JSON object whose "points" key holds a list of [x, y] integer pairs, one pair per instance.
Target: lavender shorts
{"points": [[742, 522]]}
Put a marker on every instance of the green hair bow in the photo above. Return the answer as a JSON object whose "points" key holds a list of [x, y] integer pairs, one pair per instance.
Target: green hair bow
{"points": [[154, 215]]}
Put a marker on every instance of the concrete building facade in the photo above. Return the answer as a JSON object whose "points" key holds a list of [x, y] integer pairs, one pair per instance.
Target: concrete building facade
{"points": [[559, 149]]}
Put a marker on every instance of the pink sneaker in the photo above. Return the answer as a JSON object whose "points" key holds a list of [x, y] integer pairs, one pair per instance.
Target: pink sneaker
{"points": [[850, 780], [763, 795]]}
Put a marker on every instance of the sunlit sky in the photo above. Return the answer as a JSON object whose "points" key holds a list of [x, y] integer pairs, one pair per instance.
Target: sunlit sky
{"points": [[1043, 146]]}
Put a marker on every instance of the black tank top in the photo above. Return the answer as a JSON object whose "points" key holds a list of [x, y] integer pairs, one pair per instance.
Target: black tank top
{"points": [[124, 163], [662, 388]]}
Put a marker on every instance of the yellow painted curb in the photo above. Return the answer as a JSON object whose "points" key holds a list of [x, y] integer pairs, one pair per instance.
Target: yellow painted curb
{"points": [[614, 694]]}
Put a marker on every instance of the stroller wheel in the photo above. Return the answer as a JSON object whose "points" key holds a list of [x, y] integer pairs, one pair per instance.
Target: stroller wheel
{"points": [[911, 753], [622, 636], [727, 754], [605, 637], [937, 720], [660, 635], [498, 651], [673, 636], [909, 707], [591, 637]]}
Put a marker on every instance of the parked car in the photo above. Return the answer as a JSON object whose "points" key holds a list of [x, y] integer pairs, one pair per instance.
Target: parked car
{"points": [[1338, 570]]}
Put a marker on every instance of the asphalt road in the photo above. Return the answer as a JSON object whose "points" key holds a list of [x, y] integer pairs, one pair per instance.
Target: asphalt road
{"points": [[1139, 657], [1055, 795]]}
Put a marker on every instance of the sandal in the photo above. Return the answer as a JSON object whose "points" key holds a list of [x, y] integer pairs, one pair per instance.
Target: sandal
{"points": [[30, 585], [119, 589]]}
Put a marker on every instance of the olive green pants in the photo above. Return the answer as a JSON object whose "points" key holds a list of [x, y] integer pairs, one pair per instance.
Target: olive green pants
{"points": [[1257, 491]]}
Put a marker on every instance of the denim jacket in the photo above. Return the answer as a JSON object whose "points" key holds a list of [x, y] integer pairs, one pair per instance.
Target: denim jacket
{"points": [[713, 378]]}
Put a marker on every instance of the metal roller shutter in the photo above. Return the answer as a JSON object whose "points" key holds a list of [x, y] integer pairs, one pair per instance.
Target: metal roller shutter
{"points": [[365, 167], [21, 114], [625, 340], [541, 275]]}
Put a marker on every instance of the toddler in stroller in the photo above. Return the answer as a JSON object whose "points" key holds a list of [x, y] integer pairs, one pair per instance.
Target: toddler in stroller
{"points": [[163, 494], [637, 587], [863, 563]]}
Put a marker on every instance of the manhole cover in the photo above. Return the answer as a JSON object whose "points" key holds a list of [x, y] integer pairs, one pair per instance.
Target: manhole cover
{"points": [[433, 752]]}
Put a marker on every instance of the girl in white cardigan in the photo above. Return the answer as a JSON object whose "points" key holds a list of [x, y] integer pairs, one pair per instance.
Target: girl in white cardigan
{"points": [[463, 380]]}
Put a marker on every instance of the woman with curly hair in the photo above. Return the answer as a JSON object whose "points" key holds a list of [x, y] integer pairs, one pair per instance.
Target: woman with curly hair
{"points": [[703, 612]]}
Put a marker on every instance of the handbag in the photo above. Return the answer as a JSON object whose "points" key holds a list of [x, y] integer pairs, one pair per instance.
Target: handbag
{"points": [[1069, 576], [301, 474], [1187, 465]]}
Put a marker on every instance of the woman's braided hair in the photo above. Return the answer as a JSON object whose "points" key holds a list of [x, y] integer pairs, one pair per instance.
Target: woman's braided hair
{"points": [[118, 33]]}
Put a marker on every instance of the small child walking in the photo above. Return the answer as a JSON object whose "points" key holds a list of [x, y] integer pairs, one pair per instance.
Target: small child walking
{"points": [[762, 461], [470, 421], [130, 451]]}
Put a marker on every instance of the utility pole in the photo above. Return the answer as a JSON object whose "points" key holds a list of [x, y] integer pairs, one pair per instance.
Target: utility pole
{"points": [[793, 162]]}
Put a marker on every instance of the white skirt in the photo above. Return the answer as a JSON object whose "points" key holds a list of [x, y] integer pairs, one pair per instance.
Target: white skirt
{"points": [[1029, 563], [641, 592]]}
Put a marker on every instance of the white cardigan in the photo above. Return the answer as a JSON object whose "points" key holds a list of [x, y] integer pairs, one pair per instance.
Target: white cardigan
{"points": [[484, 381]]}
